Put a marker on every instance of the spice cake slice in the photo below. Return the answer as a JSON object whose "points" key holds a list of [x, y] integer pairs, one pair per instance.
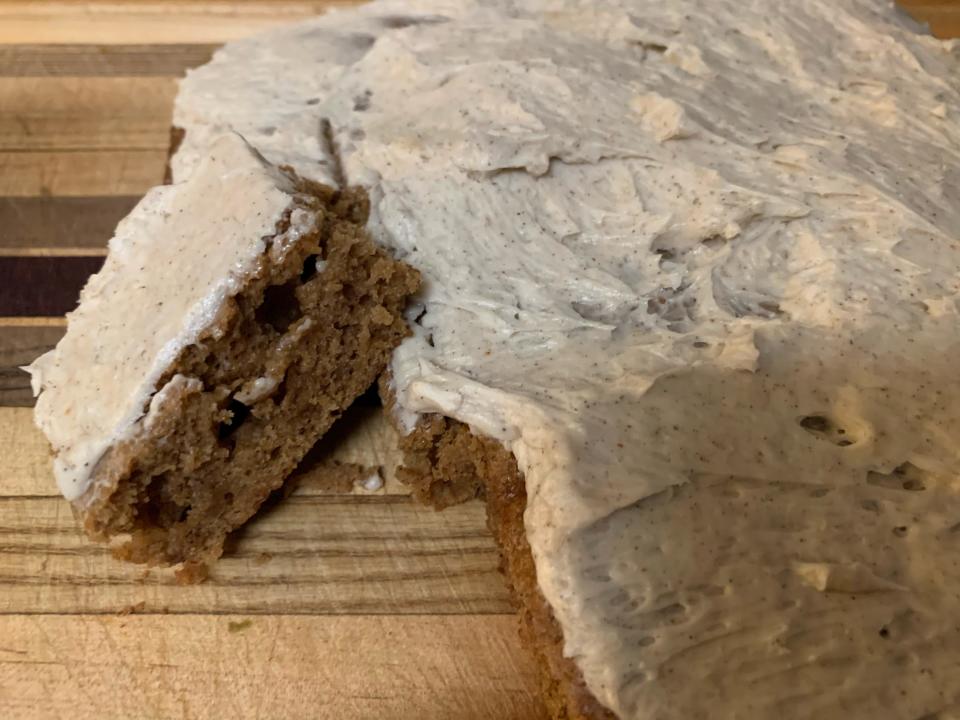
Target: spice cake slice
{"points": [[237, 315]]}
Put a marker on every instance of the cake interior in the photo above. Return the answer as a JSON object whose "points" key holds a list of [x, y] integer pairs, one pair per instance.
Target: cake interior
{"points": [[238, 409]]}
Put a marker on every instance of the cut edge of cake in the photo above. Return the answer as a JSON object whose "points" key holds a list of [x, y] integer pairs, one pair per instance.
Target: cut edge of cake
{"points": [[445, 463], [307, 332]]}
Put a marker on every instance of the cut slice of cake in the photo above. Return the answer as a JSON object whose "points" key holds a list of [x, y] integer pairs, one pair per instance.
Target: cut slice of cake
{"points": [[237, 315]]}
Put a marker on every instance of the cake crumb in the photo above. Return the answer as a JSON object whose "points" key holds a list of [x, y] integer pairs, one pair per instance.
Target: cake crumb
{"points": [[133, 608], [373, 482], [236, 626], [192, 573]]}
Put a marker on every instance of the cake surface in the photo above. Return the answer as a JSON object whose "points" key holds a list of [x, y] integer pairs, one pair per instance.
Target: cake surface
{"points": [[237, 314], [697, 270]]}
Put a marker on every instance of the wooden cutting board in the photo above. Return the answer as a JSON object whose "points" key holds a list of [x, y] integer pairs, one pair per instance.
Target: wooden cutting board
{"points": [[337, 603]]}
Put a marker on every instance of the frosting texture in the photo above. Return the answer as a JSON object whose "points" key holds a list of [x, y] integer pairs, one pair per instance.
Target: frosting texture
{"points": [[698, 267], [180, 253]]}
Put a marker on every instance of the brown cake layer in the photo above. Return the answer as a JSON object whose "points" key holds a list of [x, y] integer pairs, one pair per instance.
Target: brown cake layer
{"points": [[210, 459], [444, 464]]}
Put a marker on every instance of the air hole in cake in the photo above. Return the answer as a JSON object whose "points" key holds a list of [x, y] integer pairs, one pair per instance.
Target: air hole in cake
{"points": [[905, 476], [397, 22], [361, 102], [369, 398], [309, 268], [674, 306], [650, 47], [280, 308], [771, 308], [823, 427], [280, 393], [238, 414], [666, 256], [158, 505]]}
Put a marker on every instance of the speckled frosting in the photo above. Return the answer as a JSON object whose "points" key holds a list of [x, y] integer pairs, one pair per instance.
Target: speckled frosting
{"points": [[173, 261], [697, 266]]}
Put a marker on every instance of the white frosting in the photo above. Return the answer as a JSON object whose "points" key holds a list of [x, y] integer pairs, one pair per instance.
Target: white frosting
{"points": [[373, 482], [173, 261], [699, 271]]}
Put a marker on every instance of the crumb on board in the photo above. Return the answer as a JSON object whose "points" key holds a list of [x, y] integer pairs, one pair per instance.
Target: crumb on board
{"points": [[133, 608], [335, 477], [236, 626], [192, 573]]}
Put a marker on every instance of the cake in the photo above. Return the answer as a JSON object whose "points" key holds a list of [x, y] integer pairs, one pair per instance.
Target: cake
{"points": [[688, 323], [237, 315]]}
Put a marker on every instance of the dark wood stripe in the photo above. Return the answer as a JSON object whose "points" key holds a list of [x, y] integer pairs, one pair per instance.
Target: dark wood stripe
{"points": [[68, 222], [176, 139], [101, 60], [20, 346], [32, 286]]}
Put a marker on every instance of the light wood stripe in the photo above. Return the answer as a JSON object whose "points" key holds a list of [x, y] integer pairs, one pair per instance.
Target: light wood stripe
{"points": [[24, 454], [81, 173], [91, 113], [178, 22], [308, 554], [48, 252], [20, 322], [323, 668], [73, 60]]}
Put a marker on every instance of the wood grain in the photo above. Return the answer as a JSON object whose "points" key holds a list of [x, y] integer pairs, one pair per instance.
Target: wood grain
{"points": [[148, 22], [18, 346], [76, 114], [65, 222], [90, 60], [943, 16], [73, 173], [307, 555], [187, 668], [44, 285], [24, 456]]}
